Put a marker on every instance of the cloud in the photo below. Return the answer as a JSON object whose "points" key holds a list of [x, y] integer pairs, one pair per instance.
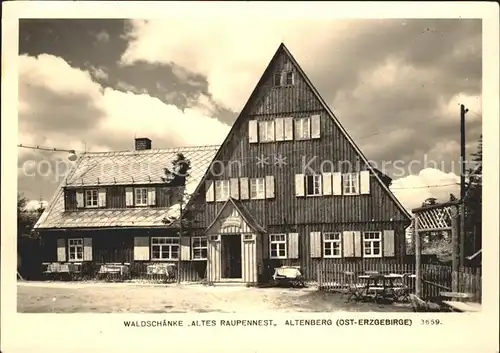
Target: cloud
{"points": [[62, 106], [102, 36], [33, 205], [413, 189]]}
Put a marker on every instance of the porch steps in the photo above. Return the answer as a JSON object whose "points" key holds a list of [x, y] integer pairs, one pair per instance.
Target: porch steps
{"points": [[229, 284]]}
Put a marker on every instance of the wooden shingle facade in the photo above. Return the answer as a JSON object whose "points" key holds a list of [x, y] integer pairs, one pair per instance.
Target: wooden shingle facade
{"points": [[288, 186]]}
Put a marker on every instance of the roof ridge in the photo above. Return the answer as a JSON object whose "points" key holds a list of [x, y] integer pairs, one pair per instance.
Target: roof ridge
{"points": [[155, 150]]}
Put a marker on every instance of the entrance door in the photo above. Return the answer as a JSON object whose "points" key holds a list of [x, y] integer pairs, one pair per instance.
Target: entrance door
{"points": [[231, 256]]}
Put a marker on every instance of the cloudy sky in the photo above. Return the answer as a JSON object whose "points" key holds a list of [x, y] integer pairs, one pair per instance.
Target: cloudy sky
{"points": [[395, 85]]}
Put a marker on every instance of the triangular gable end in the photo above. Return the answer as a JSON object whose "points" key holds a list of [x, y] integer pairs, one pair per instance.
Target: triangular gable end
{"points": [[231, 219], [261, 101]]}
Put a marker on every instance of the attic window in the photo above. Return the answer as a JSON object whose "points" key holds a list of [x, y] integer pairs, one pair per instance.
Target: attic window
{"points": [[277, 79], [91, 198], [289, 79]]}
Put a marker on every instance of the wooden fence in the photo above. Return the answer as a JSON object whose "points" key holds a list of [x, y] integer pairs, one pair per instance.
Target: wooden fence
{"points": [[435, 278]]}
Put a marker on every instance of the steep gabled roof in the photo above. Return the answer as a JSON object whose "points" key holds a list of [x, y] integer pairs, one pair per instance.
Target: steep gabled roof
{"points": [[123, 168], [283, 49], [244, 213]]}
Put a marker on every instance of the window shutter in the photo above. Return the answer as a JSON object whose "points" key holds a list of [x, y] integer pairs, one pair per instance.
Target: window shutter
{"points": [[61, 250], [79, 200], [348, 243], [102, 197], [293, 245], [151, 196], [358, 246], [244, 189], [288, 128], [141, 248], [273, 138], [252, 131], [315, 126], [234, 188], [280, 129], [327, 183], [364, 178], [315, 243], [265, 246], [299, 185], [388, 241], [87, 249], [269, 187], [293, 78], [129, 197], [337, 183], [185, 248], [209, 191]]}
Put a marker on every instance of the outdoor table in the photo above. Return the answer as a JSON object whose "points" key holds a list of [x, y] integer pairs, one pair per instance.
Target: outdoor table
{"points": [[456, 295], [463, 307], [382, 285]]}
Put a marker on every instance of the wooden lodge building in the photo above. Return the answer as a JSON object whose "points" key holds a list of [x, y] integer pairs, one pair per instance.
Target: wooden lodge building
{"points": [[288, 186]]}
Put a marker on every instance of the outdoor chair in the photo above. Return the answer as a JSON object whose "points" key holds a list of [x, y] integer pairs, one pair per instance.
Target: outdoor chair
{"points": [[402, 293], [354, 289]]}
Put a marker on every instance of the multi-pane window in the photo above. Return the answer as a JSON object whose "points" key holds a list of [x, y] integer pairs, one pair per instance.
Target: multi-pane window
{"points": [[277, 246], [289, 78], [332, 245], [75, 249], [266, 131], [257, 190], [313, 185], [221, 190], [372, 242], [141, 196], [91, 198], [303, 128], [199, 248], [350, 184], [164, 248]]}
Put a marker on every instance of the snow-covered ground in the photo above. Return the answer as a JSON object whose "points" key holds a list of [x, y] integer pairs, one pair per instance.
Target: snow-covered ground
{"points": [[80, 297]]}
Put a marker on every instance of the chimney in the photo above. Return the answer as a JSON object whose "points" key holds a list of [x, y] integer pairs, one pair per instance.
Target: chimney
{"points": [[142, 143]]}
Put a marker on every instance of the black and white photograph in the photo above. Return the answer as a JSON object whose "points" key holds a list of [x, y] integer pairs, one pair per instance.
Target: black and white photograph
{"points": [[235, 168], [266, 172]]}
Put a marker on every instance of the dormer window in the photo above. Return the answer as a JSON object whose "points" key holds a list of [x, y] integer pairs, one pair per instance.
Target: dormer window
{"points": [[141, 196], [91, 198]]}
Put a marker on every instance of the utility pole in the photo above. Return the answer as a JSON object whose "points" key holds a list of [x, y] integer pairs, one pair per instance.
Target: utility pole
{"points": [[180, 241], [463, 111]]}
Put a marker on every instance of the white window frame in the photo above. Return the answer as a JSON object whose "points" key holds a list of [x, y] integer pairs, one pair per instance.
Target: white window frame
{"points": [[317, 184], [266, 131], [334, 240], [257, 188], [197, 244], [73, 245], [222, 190], [350, 184], [300, 125], [170, 243], [278, 242], [92, 195], [369, 243], [141, 193], [285, 79]]}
